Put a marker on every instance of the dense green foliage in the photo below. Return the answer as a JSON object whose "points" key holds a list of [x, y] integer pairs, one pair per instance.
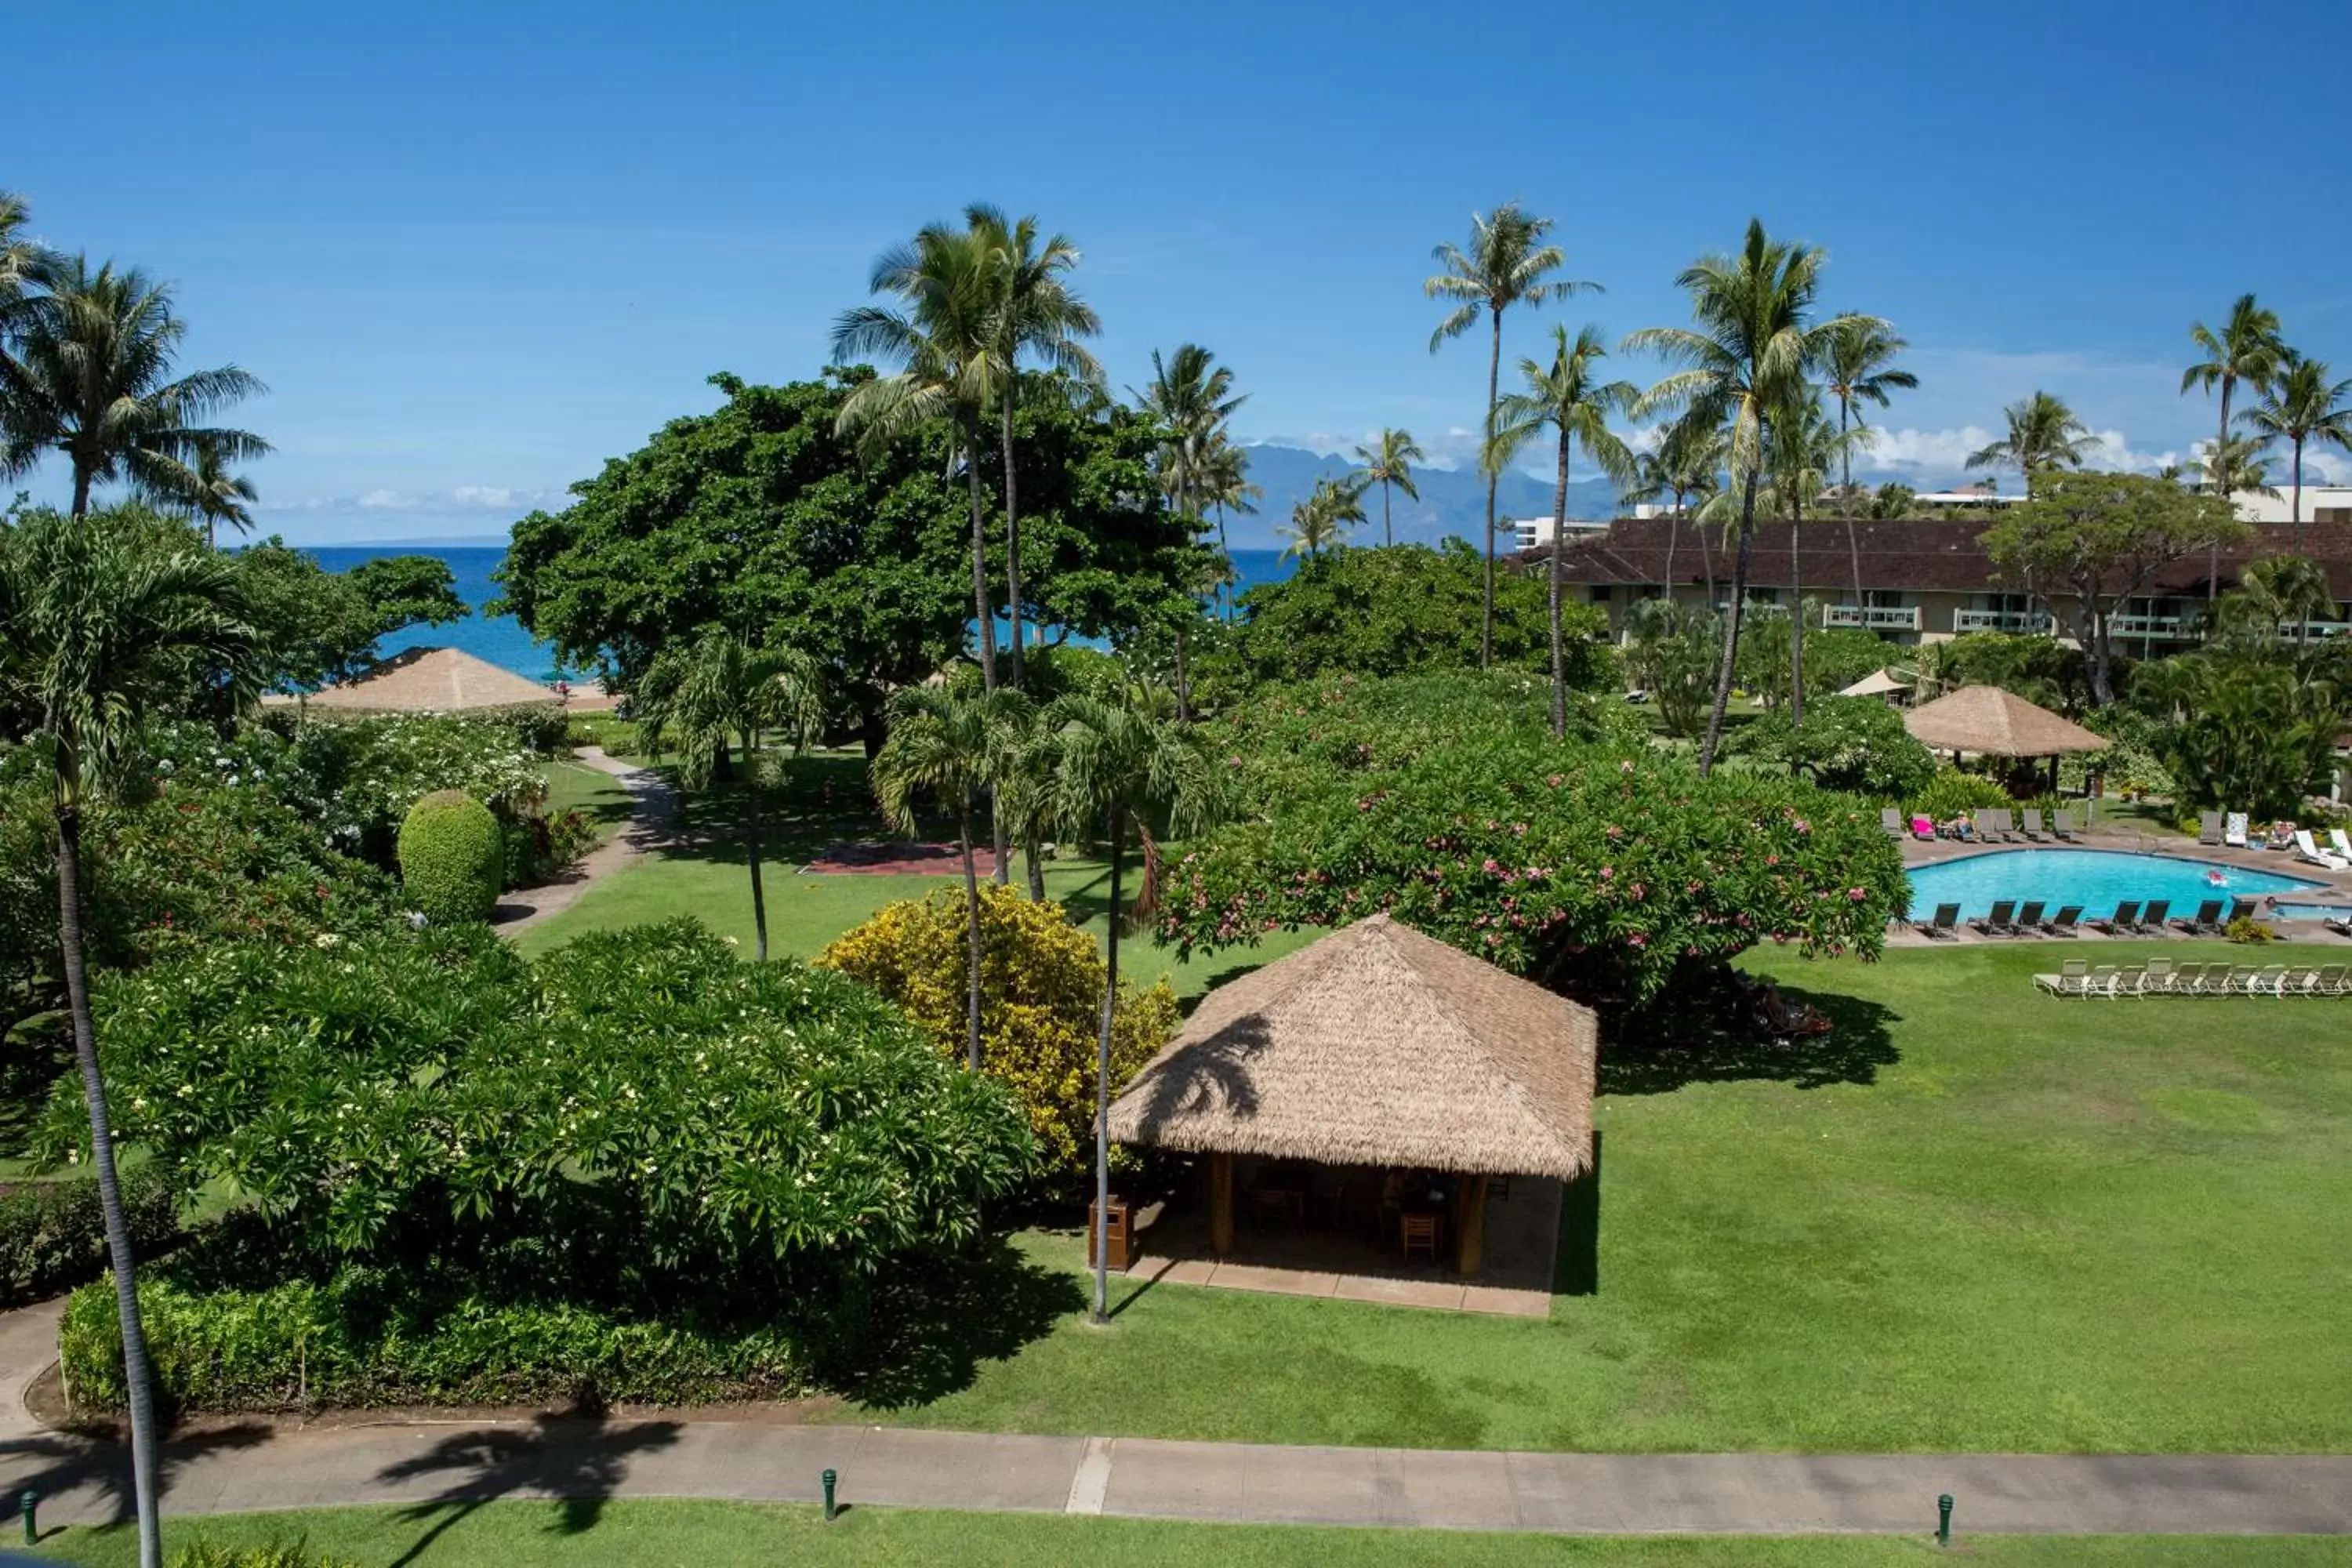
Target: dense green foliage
{"points": [[2250, 734], [1854, 744], [319, 627], [1951, 792], [1598, 868], [452, 859], [2039, 669], [52, 1233], [1836, 657]]}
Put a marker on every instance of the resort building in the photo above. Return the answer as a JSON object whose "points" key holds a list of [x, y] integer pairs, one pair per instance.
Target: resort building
{"points": [[2321, 503], [1535, 533], [1921, 581]]}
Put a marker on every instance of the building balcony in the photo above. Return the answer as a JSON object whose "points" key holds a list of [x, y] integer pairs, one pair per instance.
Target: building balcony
{"points": [[1873, 617], [1999, 621], [2172, 627]]}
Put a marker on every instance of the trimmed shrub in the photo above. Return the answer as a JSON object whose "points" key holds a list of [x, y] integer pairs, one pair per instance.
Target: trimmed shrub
{"points": [[537, 848], [1952, 792], [53, 1233], [452, 860], [1041, 984]]}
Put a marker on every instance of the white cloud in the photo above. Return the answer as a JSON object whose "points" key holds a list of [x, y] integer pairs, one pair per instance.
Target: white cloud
{"points": [[483, 495], [388, 501], [2332, 467]]}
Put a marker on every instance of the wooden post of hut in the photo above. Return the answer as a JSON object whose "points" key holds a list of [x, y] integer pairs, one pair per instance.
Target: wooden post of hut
{"points": [[1470, 1227], [1220, 1204]]}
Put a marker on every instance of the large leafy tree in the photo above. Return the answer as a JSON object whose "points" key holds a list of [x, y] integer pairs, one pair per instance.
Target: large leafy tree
{"points": [[1115, 768], [1567, 397], [2304, 404], [314, 626], [1505, 263], [1388, 463], [1858, 368], [957, 747], [2091, 541], [1034, 316], [100, 625], [719, 690], [93, 380], [1753, 338], [2041, 434]]}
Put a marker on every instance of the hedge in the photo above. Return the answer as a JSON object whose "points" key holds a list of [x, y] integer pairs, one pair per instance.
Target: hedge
{"points": [[303, 1345], [53, 1233], [452, 859]]}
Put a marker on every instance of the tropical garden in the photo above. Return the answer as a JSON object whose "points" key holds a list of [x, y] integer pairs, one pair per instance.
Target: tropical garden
{"points": [[735, 1129]]}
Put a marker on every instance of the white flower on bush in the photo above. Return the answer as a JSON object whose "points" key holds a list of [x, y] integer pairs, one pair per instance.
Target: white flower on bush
{"points": [[327, 939], [416, 919]]}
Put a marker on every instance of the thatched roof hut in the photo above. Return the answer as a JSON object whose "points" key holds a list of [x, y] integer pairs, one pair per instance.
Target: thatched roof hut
{"points": [[1377, 1046], [1992, 723], [435, 680]]}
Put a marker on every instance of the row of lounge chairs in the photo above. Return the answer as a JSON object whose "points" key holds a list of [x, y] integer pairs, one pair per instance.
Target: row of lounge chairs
{"points": [[2130, 919], [1987, 826], [2229, 829], [2162, 978]]}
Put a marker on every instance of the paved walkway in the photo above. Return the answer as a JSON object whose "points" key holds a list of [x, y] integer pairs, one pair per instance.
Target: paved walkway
{"points": [[653, 821]]}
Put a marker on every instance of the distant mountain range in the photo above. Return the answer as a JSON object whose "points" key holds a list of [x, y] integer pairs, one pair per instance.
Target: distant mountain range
{"points": [[1453, 500]]}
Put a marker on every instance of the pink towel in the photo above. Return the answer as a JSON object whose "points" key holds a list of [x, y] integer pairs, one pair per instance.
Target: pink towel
{"points": [[1922, 828]]}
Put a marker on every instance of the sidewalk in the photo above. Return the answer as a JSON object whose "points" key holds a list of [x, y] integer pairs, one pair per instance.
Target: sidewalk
{"points": [[461, 1463]]}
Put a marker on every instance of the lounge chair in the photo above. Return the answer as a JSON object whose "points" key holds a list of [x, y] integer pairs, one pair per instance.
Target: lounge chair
{"points": [[2341, 927], [2122, 920], [1923, 828], [2271, 982], [2239, 982], [2005, 821], [1892, 820], [2152, 919], [2159, 980], [2029, 918], [2281, 834], [2208, 828], [2102, 981], [2069, 981], [2332, 981], [2129, 980], [2034, 828], [2001, 921], [2307, 850], [2062, 827], [2205, 922], [2335, 835], [2300, 982], [2241, 908], [2233, 829], [2064, 923], [1945, 923], [2187, 980]]}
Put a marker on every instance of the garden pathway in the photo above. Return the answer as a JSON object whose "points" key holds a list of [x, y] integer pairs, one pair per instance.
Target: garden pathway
{"points": [[653, 821]]}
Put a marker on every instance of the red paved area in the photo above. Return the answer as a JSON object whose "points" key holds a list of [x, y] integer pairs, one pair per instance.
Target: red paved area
{"points": [[871, 857]]}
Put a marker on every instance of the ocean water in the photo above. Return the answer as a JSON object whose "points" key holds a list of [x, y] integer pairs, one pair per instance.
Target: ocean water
{"points": [[500, 639]]}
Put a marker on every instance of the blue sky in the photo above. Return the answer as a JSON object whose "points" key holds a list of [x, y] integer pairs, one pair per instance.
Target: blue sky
{"points": [[476, 250]]}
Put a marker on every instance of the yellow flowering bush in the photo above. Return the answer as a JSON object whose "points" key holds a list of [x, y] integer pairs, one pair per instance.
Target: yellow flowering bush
{"points": [[1040, 1003]]}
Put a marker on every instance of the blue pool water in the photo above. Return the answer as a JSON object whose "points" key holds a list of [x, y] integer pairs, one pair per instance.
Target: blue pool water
{"points": [[2097, 880], [2287, 911]]}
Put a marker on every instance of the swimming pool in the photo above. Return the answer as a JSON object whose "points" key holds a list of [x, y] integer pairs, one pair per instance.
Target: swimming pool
{"points": [[2290, 911], [2097, 880]]}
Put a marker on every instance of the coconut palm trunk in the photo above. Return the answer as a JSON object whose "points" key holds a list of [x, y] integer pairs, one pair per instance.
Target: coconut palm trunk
{"points": [[1011, 537], [1845, 502], [1707, 563], [1796, 617], [2295, 515], [137, 1375], [752, 844], [1559, 645], [1102, 1088], [1494, 389], [1673, 532], [1731, 633], [2221, 448], [981, 608], [971, 936]]}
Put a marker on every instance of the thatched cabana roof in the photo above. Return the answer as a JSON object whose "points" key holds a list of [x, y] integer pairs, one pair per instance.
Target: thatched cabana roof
{"points": [[1879, 682], [1377, 1046], [433, 680], [1992, 723]]}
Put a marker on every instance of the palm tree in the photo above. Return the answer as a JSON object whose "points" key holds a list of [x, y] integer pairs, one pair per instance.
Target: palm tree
{"points": [[1114, 768], [1859, 368], [944, 339], [1805, 449], [1191, 397], [2043, 434], [1317, 522], [2288, 588], [2300, 405], [1753, 340], [1569, 397], [98, 629], [92, 380], [721, 689], [217, 495], [958, 747], [1683, 466], [1388, 463], [2238, 466], [22, 261], [1224, 484], [1036, 315], [2248, 348], [1505, 264]]}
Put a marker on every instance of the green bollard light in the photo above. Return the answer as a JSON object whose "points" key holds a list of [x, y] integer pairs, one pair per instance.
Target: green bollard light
{"points": [[28, 1502], [1944, 1520], [829, 1508]]}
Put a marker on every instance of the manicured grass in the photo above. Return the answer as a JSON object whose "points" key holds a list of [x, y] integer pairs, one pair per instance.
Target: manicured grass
{"points": [[1972, 1218], [573, 785], [651, 1534]]}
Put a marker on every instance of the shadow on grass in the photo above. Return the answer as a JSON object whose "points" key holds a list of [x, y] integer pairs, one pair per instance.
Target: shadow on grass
{"points": [[1661, 1054], [580, 1460], [942, 1322], [54, 1464]]}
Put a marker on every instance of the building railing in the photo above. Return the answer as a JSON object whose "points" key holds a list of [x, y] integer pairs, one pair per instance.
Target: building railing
{"points": [[2150, 626], [1999, 621], [1876, 618]]}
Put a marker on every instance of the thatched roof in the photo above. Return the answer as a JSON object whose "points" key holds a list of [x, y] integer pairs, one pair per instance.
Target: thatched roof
{"points": [[433, 680], [1877, 683], [1377, 1046], [1994, 722]]}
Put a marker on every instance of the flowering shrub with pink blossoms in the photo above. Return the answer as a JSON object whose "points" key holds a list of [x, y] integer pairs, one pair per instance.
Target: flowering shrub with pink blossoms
{"points": [[1597, 865]]}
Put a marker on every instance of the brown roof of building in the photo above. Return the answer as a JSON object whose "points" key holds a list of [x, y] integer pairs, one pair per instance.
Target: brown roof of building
{"points": [[1931, 556], [1376, 1046], [433, 680], [1992, 723]]}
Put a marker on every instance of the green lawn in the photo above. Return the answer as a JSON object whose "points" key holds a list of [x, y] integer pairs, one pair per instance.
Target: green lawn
{"points": [[576, 785], [1976, 1218], [651, 1534]]}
